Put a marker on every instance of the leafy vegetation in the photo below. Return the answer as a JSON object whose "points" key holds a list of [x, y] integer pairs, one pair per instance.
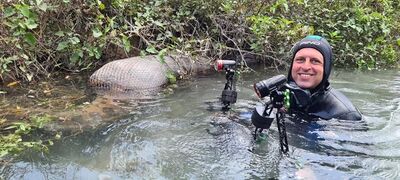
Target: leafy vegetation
{"points": [[42, 36], [20, 136]]}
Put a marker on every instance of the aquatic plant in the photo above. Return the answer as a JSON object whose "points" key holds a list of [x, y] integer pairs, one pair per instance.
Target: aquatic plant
{"points": [[20, 136]]}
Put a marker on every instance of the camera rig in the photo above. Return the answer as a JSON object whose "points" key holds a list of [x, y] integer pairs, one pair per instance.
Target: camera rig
{"points": [[282, 97], [229, 94]]}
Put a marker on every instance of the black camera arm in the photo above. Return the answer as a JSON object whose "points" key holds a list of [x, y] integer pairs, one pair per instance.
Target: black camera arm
{"points": [[229, 94], [278, 100]]}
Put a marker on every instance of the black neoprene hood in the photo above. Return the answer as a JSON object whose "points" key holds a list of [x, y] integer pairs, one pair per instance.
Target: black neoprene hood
{"points": [[321, 44]]}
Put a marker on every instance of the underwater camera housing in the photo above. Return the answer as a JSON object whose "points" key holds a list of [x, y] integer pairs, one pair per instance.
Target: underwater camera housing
{"points": [[282, 94], [262, 116], [283, 97], [265, 87]]}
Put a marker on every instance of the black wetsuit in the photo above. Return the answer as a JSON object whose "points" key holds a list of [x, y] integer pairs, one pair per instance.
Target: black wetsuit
{"points": [[328, 104]]}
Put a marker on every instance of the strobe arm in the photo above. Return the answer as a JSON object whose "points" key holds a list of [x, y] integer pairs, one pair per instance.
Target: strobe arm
{"points": [[229, 94], [262, 118], [282, 132]]}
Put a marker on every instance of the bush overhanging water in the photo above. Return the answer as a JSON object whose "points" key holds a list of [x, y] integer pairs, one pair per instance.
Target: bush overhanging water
{"points": [[42, 36]]}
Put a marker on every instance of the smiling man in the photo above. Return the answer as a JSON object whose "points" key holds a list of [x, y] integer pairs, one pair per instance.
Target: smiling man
{"points": [[312, 60]]}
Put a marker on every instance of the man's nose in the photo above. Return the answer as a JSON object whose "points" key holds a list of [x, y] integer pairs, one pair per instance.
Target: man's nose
{"points": [[307, 64]]}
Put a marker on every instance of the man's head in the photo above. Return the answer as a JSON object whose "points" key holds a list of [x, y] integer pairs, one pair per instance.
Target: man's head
{"points": [[311, 63]]}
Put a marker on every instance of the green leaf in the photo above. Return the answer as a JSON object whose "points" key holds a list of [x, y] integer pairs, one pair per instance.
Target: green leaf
{"points": [[9, 11], [30, 39], [102, 6], [58, 136], [158, 23], [168, 34], [74, 57], [60, 33], [142, 53], [22, 25], [12, 58], [150, 49], [97, 53], [286, 7], [398, 42], [74, 40], [22, 127], [62, 45], [10, 127], [3, 153], [38, 2], [43, 7], [31, 24], [97, 33], [161, 55], [26, 57], [29, 77], [126, 43], [23, 69], [25, 11], [91, 51], [66, 1], [171, 77]]}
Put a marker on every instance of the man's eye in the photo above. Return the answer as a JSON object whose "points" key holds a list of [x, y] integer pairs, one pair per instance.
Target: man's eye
{"points": [[300, 60], [316, 61]]}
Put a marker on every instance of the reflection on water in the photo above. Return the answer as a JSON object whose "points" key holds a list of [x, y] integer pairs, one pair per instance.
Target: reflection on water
{"points": [[185, 136]]}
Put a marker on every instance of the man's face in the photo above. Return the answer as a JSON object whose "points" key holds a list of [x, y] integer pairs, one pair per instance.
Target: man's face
{"points": [[308, 68]]}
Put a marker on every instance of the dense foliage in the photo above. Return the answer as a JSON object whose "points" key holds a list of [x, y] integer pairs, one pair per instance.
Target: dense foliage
{"points": [[42, 36]]}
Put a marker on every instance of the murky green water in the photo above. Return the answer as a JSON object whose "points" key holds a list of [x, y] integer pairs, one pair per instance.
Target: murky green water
{"points": [[185, 136]]}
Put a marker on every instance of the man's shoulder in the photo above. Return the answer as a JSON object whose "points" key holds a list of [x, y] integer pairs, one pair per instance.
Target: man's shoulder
{"points": [[341, 105], [333, 95]]}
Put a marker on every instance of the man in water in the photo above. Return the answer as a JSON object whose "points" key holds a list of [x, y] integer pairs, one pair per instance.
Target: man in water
{"points": [[312, 61]]}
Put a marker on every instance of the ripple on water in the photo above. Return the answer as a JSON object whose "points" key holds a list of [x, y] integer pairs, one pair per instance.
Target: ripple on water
{"points": [[167, 138]]}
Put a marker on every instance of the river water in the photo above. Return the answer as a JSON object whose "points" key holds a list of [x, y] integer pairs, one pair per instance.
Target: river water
{"points": [[184, 135]]}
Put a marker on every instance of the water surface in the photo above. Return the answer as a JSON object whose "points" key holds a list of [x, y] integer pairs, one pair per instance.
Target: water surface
{"points": [[184, 135]]}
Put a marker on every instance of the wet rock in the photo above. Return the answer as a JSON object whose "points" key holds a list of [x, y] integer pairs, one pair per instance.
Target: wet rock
{"points": [[230, 134]]}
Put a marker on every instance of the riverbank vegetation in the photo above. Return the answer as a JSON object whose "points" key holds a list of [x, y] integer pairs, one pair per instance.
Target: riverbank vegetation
{"points": [[40, 37]]}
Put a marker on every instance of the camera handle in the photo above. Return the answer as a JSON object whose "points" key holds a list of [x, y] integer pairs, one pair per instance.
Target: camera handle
{"points": [[281, 100], [282, 132], [229, 94]]}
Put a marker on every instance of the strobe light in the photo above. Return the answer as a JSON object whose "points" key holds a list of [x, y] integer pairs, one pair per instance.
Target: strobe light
{"points": [[224, 64]]}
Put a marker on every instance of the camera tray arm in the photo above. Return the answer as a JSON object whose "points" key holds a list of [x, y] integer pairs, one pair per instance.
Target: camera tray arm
{"points": [[229, 94], [279, 100], [280, 120], [230, 80]]}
